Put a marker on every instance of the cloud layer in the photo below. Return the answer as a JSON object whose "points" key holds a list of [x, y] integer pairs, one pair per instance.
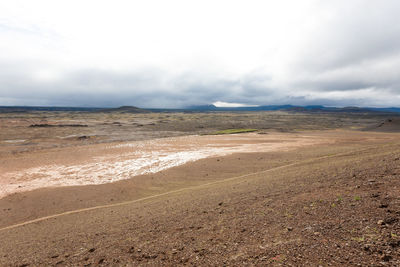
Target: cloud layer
{"points": [[180, 53]]}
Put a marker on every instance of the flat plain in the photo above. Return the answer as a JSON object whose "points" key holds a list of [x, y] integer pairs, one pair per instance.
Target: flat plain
{"points": [[302, 189]]}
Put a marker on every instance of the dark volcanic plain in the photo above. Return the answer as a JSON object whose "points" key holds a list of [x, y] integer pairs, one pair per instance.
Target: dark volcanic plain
{"points": [[35, 130], [334, 203]]}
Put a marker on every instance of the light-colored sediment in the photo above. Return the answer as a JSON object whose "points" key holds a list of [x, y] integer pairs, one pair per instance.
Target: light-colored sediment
{"points": [[107, 163]]}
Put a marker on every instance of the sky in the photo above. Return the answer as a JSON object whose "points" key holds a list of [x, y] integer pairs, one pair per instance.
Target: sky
{"points": [[178, 53]]}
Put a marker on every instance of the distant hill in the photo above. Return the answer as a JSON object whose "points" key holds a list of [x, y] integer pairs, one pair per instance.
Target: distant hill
{"points": [[125, 109], [11, 109], [391, 109]]}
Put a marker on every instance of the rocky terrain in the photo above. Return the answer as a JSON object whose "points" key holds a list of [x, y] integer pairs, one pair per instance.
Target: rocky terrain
{"points": [[322, 205]]}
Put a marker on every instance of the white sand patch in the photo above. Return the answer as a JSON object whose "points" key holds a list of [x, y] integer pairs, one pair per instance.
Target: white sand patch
{"points": [[14, 141]]}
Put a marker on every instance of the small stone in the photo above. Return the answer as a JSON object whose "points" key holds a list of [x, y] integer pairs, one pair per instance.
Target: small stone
{"points": [[390, 220], [381, 222], [367, 247], [139, 250], [289, 228], [317, 233], [386, 257], [394, 243]]}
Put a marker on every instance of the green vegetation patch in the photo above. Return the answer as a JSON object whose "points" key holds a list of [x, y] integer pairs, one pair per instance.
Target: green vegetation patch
{"points": [[235, 131]]}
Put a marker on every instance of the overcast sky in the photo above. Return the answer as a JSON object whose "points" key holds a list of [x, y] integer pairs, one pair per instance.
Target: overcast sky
{"points": [[178, 53]]}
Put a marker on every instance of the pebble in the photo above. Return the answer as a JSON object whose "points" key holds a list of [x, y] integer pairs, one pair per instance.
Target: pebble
{"points": [[386, 257], [367, 247]]}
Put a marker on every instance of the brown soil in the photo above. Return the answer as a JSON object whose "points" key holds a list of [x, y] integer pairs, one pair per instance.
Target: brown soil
{"points": [[321, 205]]}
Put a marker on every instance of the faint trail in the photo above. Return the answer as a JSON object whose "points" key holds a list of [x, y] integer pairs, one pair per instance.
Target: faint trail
{"points": [[183, 189]]}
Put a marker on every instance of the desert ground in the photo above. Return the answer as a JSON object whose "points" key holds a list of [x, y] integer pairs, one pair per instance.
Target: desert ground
{"points": [[175, 189]]}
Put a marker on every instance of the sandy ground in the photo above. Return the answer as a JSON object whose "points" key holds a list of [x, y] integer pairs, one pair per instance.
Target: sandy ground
{"points": [[106, 163], [317, 198]]}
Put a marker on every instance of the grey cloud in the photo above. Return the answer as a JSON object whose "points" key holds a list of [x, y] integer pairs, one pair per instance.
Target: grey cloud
{"points": [[354, 53], [150, 88], [158, 89], [358, 31]]}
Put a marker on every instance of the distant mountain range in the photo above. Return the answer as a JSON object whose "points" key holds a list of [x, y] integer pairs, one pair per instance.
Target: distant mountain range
{"points": [[9, 109], [205, 108], [123, 109], [312, 108]]}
